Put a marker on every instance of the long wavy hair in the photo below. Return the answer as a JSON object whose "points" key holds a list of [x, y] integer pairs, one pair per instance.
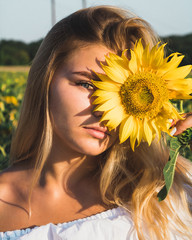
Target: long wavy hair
{"points": [[128, 179]]}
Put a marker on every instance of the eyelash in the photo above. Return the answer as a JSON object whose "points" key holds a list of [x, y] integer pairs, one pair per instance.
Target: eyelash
{"points": [[89, 85]]}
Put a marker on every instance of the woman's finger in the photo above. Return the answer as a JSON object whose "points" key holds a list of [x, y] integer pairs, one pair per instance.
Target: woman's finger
{"points": [[181, 125]]}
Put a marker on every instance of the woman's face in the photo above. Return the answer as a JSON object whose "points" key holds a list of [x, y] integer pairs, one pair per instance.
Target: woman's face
{"points": [[75, 126]]}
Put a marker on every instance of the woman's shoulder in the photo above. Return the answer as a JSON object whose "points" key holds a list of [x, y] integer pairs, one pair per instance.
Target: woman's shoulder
{"points": [[12, 179], [8, 182], [13, 182]]}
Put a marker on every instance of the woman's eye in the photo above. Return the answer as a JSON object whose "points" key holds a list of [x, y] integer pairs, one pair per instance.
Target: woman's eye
{"points": [[87, 85]]}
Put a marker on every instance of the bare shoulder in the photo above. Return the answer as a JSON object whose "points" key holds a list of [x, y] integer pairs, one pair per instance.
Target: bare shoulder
{"points": [[13, 197]]}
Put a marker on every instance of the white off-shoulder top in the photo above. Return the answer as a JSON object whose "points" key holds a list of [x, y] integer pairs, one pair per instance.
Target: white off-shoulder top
{"points": [[113, 224]]}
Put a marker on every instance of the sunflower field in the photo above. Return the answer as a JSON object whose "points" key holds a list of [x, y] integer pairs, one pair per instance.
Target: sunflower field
{"points": [[12, 87]]}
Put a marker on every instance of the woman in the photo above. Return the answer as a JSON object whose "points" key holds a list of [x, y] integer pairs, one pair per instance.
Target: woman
{"points": [[70, 178]]}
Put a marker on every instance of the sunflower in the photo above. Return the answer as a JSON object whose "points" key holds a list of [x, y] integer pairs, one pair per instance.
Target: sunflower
{"points": [[135, 94]]}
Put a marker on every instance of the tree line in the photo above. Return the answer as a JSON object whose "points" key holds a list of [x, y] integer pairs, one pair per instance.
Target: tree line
{"points": [[181, 44], [14, 53]]}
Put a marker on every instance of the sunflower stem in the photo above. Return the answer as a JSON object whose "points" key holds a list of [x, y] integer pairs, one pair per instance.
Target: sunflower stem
{"points": [[181, 106]]}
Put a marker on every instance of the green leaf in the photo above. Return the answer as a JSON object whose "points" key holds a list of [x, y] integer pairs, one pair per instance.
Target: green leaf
{"points": [[169, 169], [186, 137]]}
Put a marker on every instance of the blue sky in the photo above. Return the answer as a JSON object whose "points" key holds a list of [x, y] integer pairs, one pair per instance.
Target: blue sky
{"points": [[30, 20]]}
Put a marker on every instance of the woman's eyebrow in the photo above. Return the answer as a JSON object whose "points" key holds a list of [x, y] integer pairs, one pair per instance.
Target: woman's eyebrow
{"points": [[90, 75]]}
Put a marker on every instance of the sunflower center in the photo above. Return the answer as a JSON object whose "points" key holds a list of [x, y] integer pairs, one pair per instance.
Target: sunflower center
{"points": [[143, 95]]}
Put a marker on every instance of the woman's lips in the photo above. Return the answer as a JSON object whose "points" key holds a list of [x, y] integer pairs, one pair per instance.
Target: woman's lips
{"points": [[96, 132]]}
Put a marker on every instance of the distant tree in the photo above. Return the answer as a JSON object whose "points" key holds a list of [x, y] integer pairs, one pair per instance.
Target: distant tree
{"points": [[33, 47], [13, 53], [181, 44]]}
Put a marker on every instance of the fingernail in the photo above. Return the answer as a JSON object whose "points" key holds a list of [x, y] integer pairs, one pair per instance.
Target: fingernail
{"points": [[173, 131], [170, 120]]}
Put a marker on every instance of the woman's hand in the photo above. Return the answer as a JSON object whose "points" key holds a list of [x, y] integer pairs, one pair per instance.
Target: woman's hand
{"points": [[181, 125]]}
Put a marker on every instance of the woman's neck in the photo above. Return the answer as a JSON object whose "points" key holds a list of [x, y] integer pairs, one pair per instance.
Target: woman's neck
{"points": [[65, 167]]}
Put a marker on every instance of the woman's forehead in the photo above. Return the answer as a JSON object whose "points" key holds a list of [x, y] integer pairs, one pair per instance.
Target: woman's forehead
{"points": [[87, 58]]}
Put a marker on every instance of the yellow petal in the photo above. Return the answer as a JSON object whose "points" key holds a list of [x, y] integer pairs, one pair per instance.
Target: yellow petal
{"points": [[180, 85], [111, 103], [115, 73], [179, 95], [147, 131], [172, 64], [133, 63], [145, 61], [183, 81], [103, 77], [108, 86], [126, 128], [102, 96], [158, 58], [156, 128], [178, 73], [114, 117], [118, 65], [123, 56], [139, 132], [138, 49], [169, 108], [114, 57], [133, 135], [118, 61], [152, 54]]}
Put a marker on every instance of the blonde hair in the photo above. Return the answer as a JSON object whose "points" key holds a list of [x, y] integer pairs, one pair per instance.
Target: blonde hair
{"points": [[128, 179], [133, 179]]}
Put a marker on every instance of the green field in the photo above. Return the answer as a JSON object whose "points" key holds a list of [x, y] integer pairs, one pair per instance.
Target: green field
{"points": [[12, 86]]}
